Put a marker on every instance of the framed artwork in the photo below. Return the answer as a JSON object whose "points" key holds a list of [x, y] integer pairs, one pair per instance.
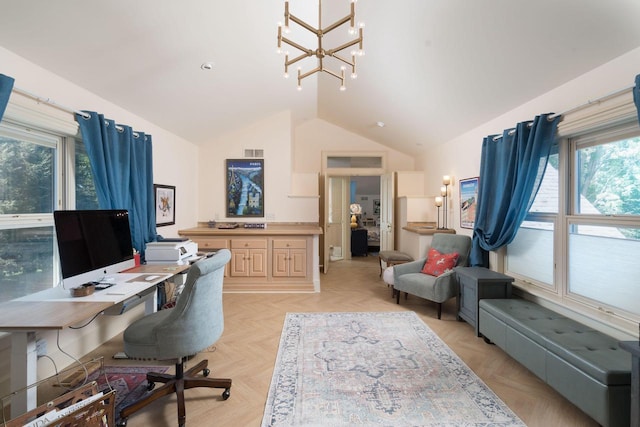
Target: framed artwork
{"points": [[165, 204], [376, 206], [468, 202], [245, 187]]}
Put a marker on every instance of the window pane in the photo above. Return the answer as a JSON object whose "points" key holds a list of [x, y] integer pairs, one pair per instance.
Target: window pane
{"points": [[603, 265], [531, 252], [27, 177], [609, 178], [26, 261], [354, 162], [547, 197], [86, 197]]}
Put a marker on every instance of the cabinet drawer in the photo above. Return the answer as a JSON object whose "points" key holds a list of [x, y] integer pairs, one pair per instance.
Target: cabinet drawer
{"points": [[290, 244], [249, 244], [211, 243]]}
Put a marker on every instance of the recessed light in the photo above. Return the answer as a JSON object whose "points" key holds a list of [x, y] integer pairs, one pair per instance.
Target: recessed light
{"points": [[380, 124], [207, 66]]}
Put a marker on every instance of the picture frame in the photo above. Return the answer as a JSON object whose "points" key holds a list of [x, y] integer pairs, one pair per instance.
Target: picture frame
{"points": [[376, 206], [165, 203], [468, 201], [245, 188]]}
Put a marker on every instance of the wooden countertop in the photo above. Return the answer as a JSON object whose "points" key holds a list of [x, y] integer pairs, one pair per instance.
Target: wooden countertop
{"points": [[273, 229], [426, 228]]}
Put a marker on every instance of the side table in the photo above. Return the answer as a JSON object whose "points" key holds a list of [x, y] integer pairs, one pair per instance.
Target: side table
{"points": [[634, 348], [476, 283]]}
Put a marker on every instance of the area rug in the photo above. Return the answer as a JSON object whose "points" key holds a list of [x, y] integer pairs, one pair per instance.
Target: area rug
{"points": [[129, 382], [391, 369]]}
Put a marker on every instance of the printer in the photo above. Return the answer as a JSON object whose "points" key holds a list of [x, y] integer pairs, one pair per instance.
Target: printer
{"points": [[170, 251]]}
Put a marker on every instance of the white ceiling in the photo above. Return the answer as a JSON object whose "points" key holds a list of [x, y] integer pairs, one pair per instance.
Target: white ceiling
{"points": [[433, 69]]}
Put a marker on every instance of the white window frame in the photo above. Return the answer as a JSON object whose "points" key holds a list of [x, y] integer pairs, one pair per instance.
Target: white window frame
{"points": [[612, 119]]}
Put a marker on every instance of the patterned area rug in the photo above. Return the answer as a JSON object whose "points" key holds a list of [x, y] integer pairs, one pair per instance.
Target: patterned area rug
{"points": [[346, 369], [129, 382]]}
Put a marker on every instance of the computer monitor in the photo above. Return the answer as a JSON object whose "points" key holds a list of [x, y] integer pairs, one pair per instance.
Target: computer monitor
{"points": [[92, 245]]}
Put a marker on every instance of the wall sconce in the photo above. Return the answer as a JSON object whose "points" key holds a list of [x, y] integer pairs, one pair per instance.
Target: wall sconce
{"points": [[444, 190], [438, 205]]}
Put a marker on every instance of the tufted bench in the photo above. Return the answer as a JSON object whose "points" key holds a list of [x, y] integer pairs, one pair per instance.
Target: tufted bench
{"points": [[391, 258], [584, 365]]}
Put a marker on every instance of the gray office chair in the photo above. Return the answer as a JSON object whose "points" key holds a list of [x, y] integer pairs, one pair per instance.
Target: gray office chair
{"points": [[195, 323], [407, 277]]}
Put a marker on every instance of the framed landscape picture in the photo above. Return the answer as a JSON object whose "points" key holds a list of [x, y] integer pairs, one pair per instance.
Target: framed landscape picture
{"points": [[468, 202], [245, 187], [165, 202]]}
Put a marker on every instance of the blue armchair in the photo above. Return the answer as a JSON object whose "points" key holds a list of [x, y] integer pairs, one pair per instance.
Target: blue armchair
{"points": [[408, 278]]}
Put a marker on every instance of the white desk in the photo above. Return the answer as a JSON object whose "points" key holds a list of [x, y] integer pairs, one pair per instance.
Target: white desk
{"points": [[56, 309]]}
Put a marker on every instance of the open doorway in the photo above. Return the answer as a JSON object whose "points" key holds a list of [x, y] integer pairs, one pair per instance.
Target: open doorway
{"points": [[365, 198], [353, 216]]}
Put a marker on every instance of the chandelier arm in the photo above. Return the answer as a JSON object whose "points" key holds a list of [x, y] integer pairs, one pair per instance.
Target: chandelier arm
{"points": [[296, 59], [330, 52], [346, 61], [308, 73], [304, 24], [337, 24], [291, 43], [336, 75]]}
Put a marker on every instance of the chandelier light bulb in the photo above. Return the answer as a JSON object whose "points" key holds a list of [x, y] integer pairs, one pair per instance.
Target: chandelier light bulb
{"points": [[354, 75], [352, 31], [361, 24], [299, 88], [286, 75], [343, 88], [360, 52]]}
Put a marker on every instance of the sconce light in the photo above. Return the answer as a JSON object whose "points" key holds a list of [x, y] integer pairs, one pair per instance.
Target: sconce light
{"points": [[438, 205], [444, 190]]}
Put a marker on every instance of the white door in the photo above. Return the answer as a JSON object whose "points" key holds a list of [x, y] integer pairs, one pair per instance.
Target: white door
{"points": [[336, 219], [387, 203]]}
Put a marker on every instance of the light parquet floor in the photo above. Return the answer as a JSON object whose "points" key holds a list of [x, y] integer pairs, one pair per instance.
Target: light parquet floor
{"points": [[253, 323]]}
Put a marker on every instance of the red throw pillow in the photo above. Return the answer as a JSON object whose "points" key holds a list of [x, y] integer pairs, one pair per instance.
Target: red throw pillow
{"points": [[438, 263]]}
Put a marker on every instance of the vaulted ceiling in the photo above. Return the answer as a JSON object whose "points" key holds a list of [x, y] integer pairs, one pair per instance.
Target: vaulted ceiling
{"points": [[433, 69]]}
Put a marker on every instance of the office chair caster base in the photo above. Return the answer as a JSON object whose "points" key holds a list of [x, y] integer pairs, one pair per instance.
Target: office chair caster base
{"points": [[151, 386], [121, 423], [206, 372], [226, 394]]}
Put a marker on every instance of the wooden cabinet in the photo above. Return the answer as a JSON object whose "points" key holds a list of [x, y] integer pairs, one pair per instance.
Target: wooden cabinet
{"points": [[278, 258], [289, 257], [248, 257]]}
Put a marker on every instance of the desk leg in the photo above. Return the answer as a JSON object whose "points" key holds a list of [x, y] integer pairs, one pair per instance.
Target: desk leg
{"points": [[24, 365], [151, 304]]}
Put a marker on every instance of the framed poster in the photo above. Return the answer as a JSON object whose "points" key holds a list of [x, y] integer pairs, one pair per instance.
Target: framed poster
{"points": [[165, 202], [468, 202], [245, 187]]}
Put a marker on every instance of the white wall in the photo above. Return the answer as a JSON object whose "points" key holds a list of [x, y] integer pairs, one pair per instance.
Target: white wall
{"points": [[174, 158], [445, 159], [315, 136], [273, 135], [290, 153]]}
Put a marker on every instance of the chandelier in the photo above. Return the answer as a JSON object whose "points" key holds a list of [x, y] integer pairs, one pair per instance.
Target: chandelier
{"points": [[321, 53]]}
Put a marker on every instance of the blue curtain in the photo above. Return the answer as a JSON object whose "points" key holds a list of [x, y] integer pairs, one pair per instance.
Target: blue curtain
{"points": [[122, 165], [636, 95], [511, 169], [6, 84]]}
